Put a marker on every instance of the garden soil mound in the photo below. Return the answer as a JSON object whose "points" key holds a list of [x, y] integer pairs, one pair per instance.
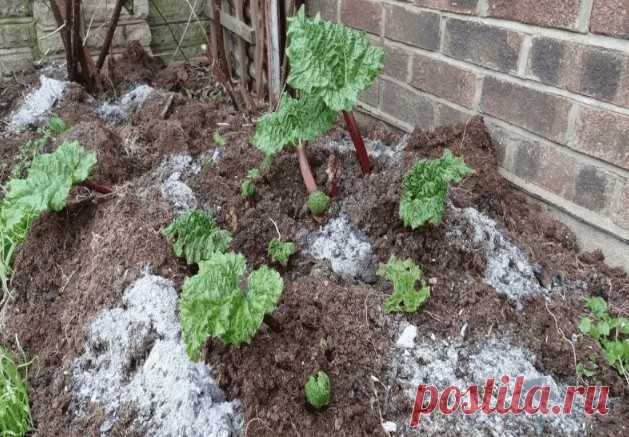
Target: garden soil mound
{"points": [[77, 263]]}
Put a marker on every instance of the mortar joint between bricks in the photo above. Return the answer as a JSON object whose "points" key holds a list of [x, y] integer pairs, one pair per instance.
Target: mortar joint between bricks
{"points": [[483, 8], [585, 15]]}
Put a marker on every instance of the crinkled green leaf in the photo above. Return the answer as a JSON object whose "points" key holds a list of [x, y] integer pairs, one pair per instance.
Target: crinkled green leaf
{"points": [[213, 305], [318, 390], [301, 119], [197, 236], [50, 178], [331, 61], [425, 189], [404, 275], [280, 251], [598, 306], [46, 187]]}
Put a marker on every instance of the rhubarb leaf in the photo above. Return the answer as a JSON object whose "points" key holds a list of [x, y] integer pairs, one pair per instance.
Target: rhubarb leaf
{"points": [[425, 189], [301, 119], [404, 275], [213, 305], [331, 61], [197, 236]]}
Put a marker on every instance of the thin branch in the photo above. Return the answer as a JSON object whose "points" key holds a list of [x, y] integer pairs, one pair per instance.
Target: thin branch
{"points": [[110, 34]]}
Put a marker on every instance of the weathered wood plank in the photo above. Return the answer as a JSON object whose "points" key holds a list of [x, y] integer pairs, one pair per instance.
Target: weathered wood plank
{"points": [[236, 26]]}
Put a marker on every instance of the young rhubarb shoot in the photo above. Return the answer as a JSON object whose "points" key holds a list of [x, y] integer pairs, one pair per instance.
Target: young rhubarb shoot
{"points": [[213, 304], [318, 203], [280, 251], [248, 187], [404, 275], [318, 390], [425, 189], [197, 236]]}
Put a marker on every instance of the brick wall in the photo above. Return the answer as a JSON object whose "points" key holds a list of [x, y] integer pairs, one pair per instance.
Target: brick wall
{"points": [[551, 78]]}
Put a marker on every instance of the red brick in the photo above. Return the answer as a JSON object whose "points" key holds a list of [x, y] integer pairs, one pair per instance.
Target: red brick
{"points": [[594, 189], [592, 71], [537, 162], [490, 46], [562, 14], [543, 114], [327, 9], [406, 105], [602, 134], [396, 62], [362, 14], [610, 17], [444, 80], [414, 27], [371, 95], [460, 6], [448, 115]]}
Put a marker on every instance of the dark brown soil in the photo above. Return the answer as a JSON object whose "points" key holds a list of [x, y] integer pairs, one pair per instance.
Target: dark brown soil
{"points": [[78, 262]]}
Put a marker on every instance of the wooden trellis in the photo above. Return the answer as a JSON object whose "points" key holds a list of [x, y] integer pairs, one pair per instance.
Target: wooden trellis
{"points": [[246, 43]]}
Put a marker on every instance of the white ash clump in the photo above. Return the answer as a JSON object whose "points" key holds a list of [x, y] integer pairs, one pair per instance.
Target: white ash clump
{"points": [[37, 104], [388, 155], [508, 268], [172, 187], [135, 358], [346, 248], [128, 104], [443, 363]]}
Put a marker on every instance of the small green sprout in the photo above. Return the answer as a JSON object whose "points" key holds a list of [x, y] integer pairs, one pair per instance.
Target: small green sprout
{"points": [[318, 390], [280, 251], [612, 333], [247, 189], [404, 275], [218, 138], [318, 203], [15, 412], [248, 186]]}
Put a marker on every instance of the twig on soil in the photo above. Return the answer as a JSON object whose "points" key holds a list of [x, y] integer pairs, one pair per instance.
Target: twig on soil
{"points": [[560, 331], [169, 103], [279, 236], [433, 316], [464, 133], [257, 419]]}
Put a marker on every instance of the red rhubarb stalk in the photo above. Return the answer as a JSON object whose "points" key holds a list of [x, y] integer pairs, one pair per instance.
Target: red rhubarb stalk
{"points": [[304, 167], [359, 144], [96, 187]]}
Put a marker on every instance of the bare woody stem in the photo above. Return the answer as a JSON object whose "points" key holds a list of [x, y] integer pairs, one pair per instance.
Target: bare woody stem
{"points": [[110, 34], [304, 167], [359, 144]]}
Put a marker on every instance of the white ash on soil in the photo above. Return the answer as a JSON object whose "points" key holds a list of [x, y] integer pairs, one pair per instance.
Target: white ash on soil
{"points": [[388, 155], [508, 268], [37, 104], [135, 359], [443, 363], [170, 177], [346, 248], [129, 103]]}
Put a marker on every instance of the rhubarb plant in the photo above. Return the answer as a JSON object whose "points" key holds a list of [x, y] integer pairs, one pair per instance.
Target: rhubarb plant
{"points": [[248, 186], [196, 236], [46, 187], [213, 304], [404, 275], [425, 189], [611, 332], [318, 203], [330, 65]]}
